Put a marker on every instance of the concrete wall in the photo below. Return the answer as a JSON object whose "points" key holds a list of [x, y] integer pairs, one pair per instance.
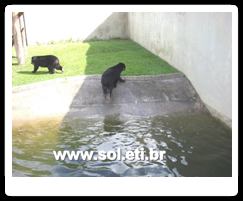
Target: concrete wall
{"points": [[115, 26], [199, 45], [77, 25]]}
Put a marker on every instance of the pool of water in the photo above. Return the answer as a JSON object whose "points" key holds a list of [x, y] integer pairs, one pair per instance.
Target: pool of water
{"points": [[195, 144]]}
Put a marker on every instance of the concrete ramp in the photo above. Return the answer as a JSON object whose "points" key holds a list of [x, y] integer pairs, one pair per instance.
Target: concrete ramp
{"points": [[81, 96]]}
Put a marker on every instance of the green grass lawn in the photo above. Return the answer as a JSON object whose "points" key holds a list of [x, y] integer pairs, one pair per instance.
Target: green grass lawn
{"points": [[93, 57]]}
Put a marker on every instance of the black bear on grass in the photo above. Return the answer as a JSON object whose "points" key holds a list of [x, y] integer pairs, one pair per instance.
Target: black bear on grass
{"points": [[49, 61], [110, 78]]}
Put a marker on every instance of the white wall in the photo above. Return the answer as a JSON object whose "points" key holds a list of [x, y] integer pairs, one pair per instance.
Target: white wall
{"points": [[45, 25], [198, 44]]}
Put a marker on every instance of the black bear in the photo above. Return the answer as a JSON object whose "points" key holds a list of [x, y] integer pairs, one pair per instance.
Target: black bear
{"points": [[110, 78], [49, 61]]}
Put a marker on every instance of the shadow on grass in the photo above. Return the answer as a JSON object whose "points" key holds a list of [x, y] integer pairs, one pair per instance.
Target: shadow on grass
{"points": [[139, 61], [102, 55], [30, 72]]}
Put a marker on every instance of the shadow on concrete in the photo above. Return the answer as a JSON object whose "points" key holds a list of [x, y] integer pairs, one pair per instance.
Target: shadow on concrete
{"points": [[138, 96]]}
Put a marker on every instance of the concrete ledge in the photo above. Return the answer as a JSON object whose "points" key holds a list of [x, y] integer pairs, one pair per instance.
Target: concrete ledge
{"points": [[82, 96], [93, 77]]}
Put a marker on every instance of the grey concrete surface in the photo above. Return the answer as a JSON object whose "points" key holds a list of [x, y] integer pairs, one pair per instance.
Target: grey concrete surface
{"points": [[81, 96]]}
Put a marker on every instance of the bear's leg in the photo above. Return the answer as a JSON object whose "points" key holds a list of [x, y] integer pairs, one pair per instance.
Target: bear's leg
{"points": [[51, 70], [115, 83], [105, 91], [110, 92], [35, 68], [121, 80]]}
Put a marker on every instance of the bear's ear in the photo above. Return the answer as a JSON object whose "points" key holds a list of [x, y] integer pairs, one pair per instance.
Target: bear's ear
{"points": [[123, 66]]}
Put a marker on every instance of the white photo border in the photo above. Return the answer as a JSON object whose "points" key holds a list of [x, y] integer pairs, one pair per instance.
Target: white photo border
{"points": [[143, 186]]}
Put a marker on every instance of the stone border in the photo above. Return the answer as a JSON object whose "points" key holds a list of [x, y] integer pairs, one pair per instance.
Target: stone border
{"points": [[142, 77], [95, 77]]}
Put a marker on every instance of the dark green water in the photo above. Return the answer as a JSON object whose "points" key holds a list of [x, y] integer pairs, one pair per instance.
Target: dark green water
{"points": [[194, 144]]}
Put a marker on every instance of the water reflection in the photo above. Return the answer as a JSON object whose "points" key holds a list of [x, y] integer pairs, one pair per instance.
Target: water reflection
{"points": [[195, 145], [112, 124]]}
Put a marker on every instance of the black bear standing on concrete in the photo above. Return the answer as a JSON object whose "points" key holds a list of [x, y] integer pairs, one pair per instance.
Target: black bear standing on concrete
{"points": [[110, 78], [49, 61]]}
